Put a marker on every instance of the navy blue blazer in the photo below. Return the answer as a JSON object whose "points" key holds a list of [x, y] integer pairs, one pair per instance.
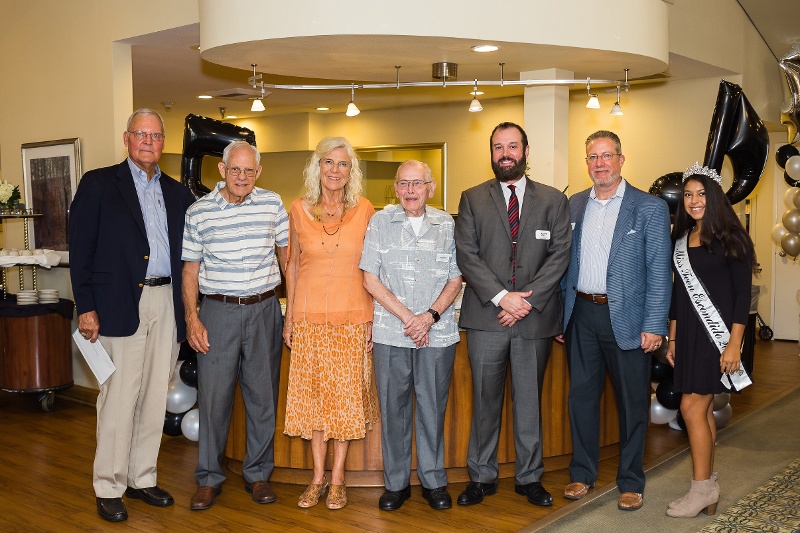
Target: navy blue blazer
{"points": [[639, 277], [109, 251]]}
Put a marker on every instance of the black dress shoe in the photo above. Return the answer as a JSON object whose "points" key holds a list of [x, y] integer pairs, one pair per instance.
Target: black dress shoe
{"points": [[475, 492], [152, 495], [437, 498], [392, 500], [112, 509], [536, 493]]}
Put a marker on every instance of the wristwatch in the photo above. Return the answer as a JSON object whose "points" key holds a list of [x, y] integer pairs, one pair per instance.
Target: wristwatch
{"points": [[435, 315]]}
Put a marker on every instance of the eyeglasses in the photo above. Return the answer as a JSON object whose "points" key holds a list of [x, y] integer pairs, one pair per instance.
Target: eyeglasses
{"points": [[605, 157], [417, 184], [343, 165], [142, 135], [235, 171]]}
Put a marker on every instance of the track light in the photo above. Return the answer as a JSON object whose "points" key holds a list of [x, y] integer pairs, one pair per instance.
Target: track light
{"points": [[475, 106], [258, 105], [616, 110], [352, 109], [593, 102]]}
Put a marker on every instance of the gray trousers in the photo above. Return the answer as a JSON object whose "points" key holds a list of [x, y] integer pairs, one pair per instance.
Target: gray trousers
{"points": [[490, 353], [427, 372], [246, 344]]}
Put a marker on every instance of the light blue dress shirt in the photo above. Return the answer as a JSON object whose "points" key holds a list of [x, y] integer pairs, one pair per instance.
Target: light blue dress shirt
{"points": [[151, 200]]}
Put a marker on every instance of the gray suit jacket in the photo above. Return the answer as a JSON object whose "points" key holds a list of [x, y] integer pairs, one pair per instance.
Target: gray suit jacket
{"points": [[639, 278], [483, 252]]}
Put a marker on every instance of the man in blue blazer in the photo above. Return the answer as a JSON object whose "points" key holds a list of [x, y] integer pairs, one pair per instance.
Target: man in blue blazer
{"points": [[125, 236], [618, 289]]}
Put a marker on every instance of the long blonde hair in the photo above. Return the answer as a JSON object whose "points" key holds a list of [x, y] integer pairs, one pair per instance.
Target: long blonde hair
{"points": [[353, 188]]}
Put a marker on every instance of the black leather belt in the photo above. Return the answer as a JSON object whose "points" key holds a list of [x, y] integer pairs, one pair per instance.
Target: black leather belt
{"points": [[157, 282], [594, 298], [241, 300]]}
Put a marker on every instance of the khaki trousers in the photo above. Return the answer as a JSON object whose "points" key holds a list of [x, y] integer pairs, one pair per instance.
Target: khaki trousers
{"points": [[132, 402]]}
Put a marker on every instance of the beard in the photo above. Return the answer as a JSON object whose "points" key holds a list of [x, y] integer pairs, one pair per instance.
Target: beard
{"points": [[511, 173]]}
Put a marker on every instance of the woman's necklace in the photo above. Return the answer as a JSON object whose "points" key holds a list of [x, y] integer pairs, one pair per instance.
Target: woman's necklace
{"points": [[318, 210]]}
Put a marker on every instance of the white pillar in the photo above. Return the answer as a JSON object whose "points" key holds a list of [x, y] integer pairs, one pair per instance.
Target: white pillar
{"points": [[546, 115]]}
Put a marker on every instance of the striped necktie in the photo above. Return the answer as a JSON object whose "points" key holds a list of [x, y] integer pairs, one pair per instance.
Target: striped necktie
{"points": [[513, 222]]}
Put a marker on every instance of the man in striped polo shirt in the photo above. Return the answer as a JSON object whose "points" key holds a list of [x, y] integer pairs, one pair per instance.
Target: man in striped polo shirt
{"points": [[229, 256]]}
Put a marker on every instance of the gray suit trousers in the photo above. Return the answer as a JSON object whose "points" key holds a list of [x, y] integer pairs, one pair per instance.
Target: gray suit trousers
{"points": [[490, 353], [246, 344], [427, 372]]}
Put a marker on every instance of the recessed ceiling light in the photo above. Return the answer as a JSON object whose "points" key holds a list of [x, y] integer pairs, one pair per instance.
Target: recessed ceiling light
{"points": [[476, 93], [323, 108], [231, 116], [485, 48], [205, 96]]}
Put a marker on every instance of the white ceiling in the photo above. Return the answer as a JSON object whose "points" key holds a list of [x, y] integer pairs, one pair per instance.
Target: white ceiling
{"points": [[167, 68]]}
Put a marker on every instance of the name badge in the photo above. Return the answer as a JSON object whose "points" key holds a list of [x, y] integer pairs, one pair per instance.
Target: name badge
{"points": [[443, 257], [542, 234]]}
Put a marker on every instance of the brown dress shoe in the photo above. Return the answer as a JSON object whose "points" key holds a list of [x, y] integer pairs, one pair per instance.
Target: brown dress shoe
{"points": [[204, 498], [630, 501], [577, 490], [261, 491]]}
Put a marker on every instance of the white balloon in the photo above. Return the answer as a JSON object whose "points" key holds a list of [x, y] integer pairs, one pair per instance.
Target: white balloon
{"points": [[190, 425], [793, 167], [721, 400], [180, 397], [660, 414], [777, 233], [723, 416], [788, 196], [674, 424]]}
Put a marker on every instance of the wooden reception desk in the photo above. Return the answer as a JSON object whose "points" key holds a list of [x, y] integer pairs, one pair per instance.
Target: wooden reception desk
{"points": [[364, 463]]}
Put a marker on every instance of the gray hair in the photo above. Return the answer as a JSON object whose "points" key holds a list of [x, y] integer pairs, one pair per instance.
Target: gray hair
{"points": [[426, 170], [605, 134], [234, 145], [144, 111], [352, 190]]}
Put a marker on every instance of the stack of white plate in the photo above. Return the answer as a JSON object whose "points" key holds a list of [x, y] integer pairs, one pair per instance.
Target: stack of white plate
{"points": [[48, 296], [27, 297]]}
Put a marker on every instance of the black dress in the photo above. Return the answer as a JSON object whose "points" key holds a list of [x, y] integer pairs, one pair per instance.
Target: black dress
{"points": [[727, 282]]}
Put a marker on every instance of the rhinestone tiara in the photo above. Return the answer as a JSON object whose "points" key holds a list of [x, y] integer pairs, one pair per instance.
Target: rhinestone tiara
{"points": [[703, 171]]}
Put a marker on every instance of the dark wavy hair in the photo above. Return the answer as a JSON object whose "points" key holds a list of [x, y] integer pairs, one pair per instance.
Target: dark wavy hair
{"points": [[719, 222]]}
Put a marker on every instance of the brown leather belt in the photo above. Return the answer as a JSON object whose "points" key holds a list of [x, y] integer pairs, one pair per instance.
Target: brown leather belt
{"points": [[241, 300], [594, 298]]}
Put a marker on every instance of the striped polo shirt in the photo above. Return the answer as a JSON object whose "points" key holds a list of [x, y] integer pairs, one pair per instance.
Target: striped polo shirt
{"points": [[235, 243]]}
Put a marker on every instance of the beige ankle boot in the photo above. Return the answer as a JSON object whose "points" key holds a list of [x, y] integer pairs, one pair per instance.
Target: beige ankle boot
{"points": [[703, 496], [677, 502]]}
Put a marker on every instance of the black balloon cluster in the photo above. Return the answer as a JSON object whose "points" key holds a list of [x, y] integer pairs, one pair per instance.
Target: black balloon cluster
{"points": [[181, 417]]}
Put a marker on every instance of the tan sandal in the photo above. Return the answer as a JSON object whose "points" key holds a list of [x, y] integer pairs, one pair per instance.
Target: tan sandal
{"points": [[337, 497], [311, 495]]}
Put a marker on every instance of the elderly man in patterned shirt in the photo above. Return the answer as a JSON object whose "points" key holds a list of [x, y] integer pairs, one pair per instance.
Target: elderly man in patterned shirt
{"points": [[410, 269], [229, 245]]}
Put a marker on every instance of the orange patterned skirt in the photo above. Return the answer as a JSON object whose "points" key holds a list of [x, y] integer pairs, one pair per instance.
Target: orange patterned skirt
{"points": [[330, 382]]}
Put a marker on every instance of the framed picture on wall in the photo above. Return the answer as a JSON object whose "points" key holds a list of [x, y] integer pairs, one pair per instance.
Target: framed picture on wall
{"points": [[51, 170]]}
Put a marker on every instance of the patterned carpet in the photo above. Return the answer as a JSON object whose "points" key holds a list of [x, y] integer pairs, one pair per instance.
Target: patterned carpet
{"points": [[773, 507]]}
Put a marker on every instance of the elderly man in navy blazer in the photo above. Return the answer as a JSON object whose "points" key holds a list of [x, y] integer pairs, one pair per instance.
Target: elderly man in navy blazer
{"points": [[618, 289], [125, 234], [512, 246]]}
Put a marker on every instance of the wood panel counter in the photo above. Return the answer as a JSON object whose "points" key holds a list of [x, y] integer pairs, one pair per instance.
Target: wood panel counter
{"points": [[364, 465]]}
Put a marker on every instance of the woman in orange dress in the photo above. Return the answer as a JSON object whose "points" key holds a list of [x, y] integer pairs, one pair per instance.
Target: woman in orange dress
{"points": [[328, 322]]}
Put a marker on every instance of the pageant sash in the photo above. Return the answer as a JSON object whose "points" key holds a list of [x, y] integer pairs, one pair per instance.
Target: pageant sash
{"points": [[706, 311]]}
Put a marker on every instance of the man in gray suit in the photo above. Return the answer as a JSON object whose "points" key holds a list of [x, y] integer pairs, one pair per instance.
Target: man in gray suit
{"points": [[618, 289], [512, 246]]}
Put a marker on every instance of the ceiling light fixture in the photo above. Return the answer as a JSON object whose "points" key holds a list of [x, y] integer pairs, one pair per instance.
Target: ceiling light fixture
{"points": [[258, 104], [222, 112], [475, 106], [205, 97], [617, 110], [323, 108], [482, 48], [593, 102], [352, 109]]}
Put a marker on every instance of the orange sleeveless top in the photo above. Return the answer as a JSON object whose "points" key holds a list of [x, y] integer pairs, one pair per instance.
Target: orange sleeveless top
{"points": [[330, 286]]}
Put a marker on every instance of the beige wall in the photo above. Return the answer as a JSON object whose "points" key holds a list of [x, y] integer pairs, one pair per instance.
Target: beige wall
{"points": [[76, 83]]}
